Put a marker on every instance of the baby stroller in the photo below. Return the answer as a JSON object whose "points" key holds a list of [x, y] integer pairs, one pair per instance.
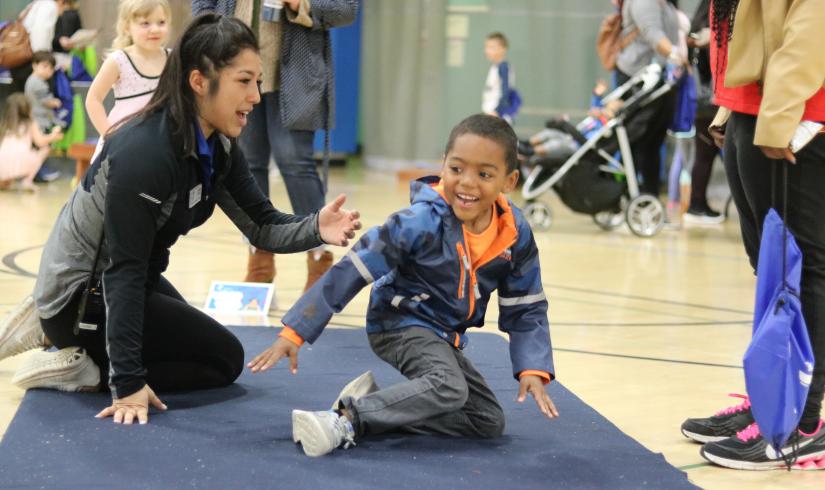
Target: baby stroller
{"points": [[585, 172]]}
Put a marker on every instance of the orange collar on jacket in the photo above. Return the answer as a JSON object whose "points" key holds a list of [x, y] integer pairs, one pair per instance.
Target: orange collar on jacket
{"points": [[507, 231]]}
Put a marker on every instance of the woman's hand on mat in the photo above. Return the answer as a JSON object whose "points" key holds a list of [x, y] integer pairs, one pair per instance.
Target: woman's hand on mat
{"points": [[125, 410], [336, 224], [534, 386], [270, 357]]}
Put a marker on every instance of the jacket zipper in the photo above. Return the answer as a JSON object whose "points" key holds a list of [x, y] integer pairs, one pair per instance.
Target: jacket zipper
{"points": [[467, 271], [462, 267]]}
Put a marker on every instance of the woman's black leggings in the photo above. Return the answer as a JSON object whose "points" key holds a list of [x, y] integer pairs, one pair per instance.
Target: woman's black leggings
{"points": [[753, 187], [183, 348]]}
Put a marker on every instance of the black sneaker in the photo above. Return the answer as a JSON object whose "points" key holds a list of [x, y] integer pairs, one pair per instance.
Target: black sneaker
{"points": [[703, 216], [726, 423], [748, 450]]}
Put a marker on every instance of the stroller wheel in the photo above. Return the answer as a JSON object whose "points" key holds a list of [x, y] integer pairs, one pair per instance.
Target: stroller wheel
{"points": [[645, 215], [608, 220], [538, 215]]}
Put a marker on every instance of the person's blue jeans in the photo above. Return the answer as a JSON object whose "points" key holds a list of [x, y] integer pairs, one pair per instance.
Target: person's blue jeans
{"points": [[263, 136]]}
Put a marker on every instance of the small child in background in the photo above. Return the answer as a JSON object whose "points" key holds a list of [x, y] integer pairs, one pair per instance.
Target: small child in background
{"points": [[556, 138], [132, 70], [434, 266], [43, 102], [499, 97], [23, 146]]}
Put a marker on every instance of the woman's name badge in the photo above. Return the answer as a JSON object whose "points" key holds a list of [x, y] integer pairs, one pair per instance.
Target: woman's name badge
{"points": [[195, 195]]}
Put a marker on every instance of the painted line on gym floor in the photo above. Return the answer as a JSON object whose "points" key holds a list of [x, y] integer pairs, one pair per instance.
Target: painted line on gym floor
{"points": [[646, 298], [494, 322], [631, 308], [692, 466], [9, 260], [645, 358], [340, 324], [649, 324]]}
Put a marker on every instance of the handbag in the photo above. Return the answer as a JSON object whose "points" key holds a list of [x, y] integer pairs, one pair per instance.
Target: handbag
{"points": [[609, 40], [15, 47], [91, 311]]}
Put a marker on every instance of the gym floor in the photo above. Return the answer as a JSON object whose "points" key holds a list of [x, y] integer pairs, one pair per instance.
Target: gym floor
{"points": [[646, 331]]}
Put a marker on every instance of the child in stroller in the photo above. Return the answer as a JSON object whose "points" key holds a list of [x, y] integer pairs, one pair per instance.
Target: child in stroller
{"points": [[590, 165]]}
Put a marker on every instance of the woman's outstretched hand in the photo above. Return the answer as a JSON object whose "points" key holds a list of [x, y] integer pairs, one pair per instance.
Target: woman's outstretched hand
{"points": [[125, 410], [336, 224]]}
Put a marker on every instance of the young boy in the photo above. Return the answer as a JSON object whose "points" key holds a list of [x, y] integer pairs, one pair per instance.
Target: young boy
{"points": [[435, 265], [499, 97], [37, 90]]}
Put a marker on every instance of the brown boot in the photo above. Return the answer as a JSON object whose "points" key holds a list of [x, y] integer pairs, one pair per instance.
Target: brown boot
{"points": [[261, 266], [316, 268]]}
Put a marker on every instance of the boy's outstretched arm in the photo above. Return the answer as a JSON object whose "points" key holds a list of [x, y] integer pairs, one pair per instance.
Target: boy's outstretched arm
{"points": [[378, 252], [282, 347], [534, 385], [523, 315]]}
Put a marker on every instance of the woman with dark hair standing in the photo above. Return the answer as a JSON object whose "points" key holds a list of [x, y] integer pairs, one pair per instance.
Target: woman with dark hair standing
{"points": [[650, 30], [768, 78], [158, 176]]}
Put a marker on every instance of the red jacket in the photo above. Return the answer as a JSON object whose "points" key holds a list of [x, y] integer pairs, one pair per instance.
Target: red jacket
{"points": [[747, 98]]}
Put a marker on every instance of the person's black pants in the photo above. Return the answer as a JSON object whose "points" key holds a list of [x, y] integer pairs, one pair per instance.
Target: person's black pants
{"points": [[183, 348], [646, 147], [706, 152], [750, 178]]}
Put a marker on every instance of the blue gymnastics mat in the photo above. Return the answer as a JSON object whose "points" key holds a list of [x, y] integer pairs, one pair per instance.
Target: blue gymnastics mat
{"points": [[241, 436]]}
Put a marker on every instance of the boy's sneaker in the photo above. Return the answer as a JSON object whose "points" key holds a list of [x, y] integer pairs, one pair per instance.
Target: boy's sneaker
{"points": [[21, 330], [726, 423], [358, 387], [321, 432], [748, 450], [703, 216], [69, 369]]}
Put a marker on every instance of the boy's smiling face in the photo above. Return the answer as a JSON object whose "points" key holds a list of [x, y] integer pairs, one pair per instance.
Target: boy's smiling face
{"points": [[473, 175]]}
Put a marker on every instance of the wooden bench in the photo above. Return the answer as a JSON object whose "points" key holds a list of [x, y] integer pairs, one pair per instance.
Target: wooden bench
{"points": [[82, 155]]}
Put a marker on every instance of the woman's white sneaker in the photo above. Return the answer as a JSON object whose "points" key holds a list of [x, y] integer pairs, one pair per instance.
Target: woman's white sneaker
{"points": [[69, 369], [20, 331]]}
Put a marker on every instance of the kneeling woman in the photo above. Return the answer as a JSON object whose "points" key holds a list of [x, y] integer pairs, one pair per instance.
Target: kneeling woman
{"points": [[159, 175]]}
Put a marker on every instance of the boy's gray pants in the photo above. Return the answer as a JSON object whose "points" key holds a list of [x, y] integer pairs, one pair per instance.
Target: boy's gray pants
{"points": [[444, 394]]}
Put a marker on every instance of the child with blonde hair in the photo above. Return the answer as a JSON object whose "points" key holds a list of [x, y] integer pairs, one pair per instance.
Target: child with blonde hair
{"points": [[134, 66], [23, 146]]}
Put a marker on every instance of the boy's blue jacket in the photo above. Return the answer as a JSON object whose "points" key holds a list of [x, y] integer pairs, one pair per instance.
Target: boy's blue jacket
{"points": [[419, 262]]}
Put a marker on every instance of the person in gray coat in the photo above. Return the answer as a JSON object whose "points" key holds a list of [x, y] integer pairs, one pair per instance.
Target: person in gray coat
{"points": [[297, 99]]}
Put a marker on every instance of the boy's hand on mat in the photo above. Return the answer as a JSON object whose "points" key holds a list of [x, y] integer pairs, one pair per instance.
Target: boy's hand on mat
{"points": [[125, 410], [270, 357], [535, 387], [336, 224]]}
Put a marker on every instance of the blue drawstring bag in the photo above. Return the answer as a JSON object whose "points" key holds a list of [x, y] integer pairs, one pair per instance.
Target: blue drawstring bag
{"points": [[63, 91], [77, 71], [779, 360], [686, 103]]}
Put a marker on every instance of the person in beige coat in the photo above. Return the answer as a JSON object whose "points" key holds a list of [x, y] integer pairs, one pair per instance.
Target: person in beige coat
{"points": [[769, 70]]}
